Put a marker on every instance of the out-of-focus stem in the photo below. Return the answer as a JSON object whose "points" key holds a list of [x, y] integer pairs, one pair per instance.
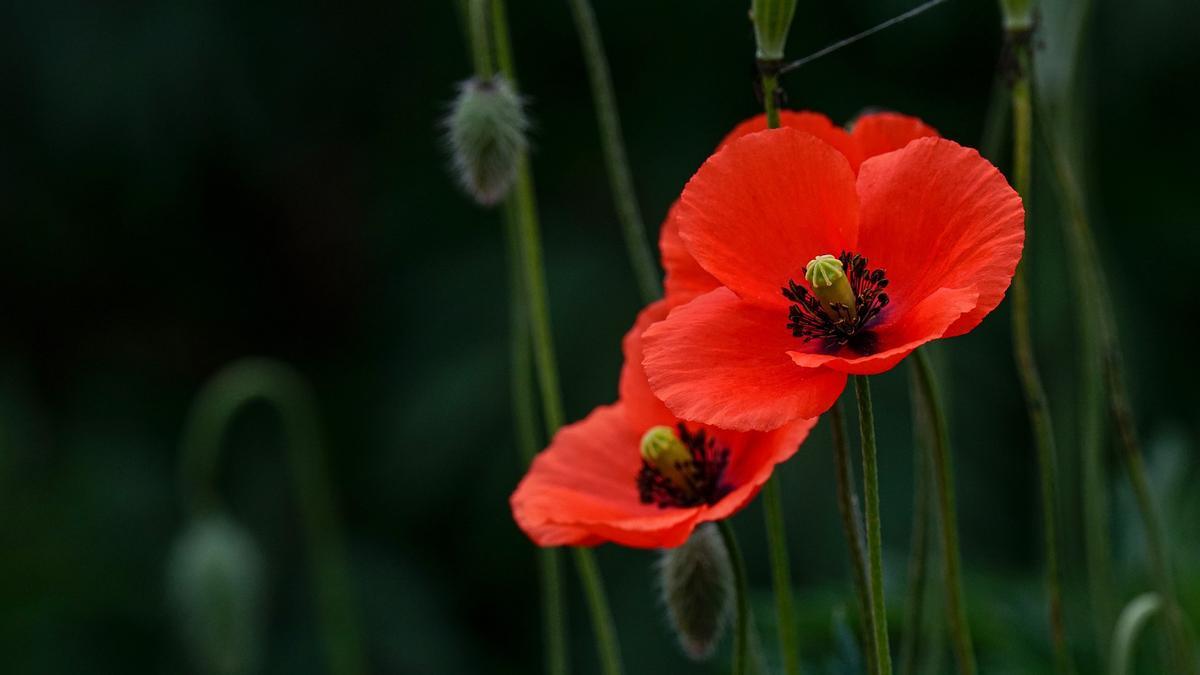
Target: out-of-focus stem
{"points": [[1129, 626], [781, 575], [852, 527], [943, 480], [741, 636], [918, 565], [613, 144], [222, 398], [866, 424], [1035, 394]]}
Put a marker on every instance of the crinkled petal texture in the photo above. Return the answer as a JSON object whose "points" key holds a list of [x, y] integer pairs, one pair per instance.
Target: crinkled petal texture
{"points": [[938, 218], [582, 490]]}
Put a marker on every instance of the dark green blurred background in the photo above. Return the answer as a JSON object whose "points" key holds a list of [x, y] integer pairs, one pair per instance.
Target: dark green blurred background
{"points": [[185, 183]]}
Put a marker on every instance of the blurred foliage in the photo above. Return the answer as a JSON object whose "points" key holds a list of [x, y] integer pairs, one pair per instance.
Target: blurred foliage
{"points": [[185, 183]]}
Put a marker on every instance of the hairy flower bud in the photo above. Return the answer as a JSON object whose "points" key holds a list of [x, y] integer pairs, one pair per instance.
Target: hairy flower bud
{"points": [[486, 133], [697, 589], [772, 19], [215, 587]]}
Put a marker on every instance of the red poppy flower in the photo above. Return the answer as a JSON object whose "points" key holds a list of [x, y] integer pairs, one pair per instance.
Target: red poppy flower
{"points": [[593, 483], [922, 244]]}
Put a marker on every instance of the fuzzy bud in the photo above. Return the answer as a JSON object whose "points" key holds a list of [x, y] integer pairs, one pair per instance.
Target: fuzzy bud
{"points": [[215, 587], [772, 19], [486, 134], [697, 589]]}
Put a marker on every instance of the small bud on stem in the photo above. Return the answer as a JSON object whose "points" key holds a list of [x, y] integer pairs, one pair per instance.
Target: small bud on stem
{"points": [[697, 588], [486, 133]]}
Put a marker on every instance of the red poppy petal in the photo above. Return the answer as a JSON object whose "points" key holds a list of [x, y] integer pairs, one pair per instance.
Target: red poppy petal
{"points": [[801, 120], [685, 278], [585, 486], [722, 361], [937, 215], [877, 133], [757, 211], [929, 320], [642, 407]]}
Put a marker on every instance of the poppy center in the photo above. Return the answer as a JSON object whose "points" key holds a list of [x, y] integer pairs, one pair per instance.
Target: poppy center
{"points": [[845, 299], [681, 469]]}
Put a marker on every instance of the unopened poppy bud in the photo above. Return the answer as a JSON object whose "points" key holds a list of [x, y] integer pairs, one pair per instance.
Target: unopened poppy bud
{"points": [[486, 132], [772, 19], [697, 588], [215, 586], [663, 450], [827, 277]]}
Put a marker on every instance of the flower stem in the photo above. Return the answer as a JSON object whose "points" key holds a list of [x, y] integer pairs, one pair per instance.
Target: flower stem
{"points": [[866, 425], [918, 565], [741, 635], [1129, 625], [777, 541], [613, 144], [943, 480], [525, 425], [843, 468], [533, 281], [225, 395], [1035, 394], [770, 93]]}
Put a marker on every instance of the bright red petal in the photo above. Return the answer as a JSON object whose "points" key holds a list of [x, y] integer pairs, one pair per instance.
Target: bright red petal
{"points": [[723, 361], [685, 278], [803, 120], [937, 215], [642, 407], [584, 486], [877, 133], [929, 320], [758, 210]]}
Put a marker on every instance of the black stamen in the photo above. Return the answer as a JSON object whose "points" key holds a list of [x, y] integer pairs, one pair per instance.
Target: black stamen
{"points": [[835, 328], [703, 474]]}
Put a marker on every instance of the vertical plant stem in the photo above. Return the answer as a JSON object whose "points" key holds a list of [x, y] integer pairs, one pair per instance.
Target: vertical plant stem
{"points": [[943, 480], [852, 527], [780, 573], [770, 92], [741, 636], [554, 638], [910, 650], [222, 398], [866, 424], [1129, 625], [481, 51], [613, 144], [1031, 380]]}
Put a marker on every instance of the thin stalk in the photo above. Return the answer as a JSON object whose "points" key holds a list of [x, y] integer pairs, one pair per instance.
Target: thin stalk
{"points": [[1035, 394], [481, 51], [852, 527], [533, 281], [225, 395], [525, 426], [770, 92], [613, 144], [918, 566], [1129, 626], [777, 541], [943, 482], [866, 425], [741, 635]]}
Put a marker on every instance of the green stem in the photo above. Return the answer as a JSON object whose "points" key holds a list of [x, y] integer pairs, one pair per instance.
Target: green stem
{"points": [[943, 481], [919, 546], [613, 143], [220, 400], [777, 542], [481, 51], [770, 91], [1129, 626], [525, 425], [852, 527], [741, 636], [866, 425], [1035, 394]]}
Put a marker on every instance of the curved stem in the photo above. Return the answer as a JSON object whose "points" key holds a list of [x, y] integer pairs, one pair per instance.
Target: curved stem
{"points": [[919, 546], [613, 143], [741, 636], [780, 574], [943, 480], [852, 527], [1035, 393], [1129, 626], [866, 425], [220, 400]]}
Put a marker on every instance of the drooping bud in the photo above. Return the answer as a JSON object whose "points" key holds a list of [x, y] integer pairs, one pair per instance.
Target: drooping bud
{"points": [[215, 587], [697, 588], [486, 133], [663, 450], [772, 19], [827, 277]]}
